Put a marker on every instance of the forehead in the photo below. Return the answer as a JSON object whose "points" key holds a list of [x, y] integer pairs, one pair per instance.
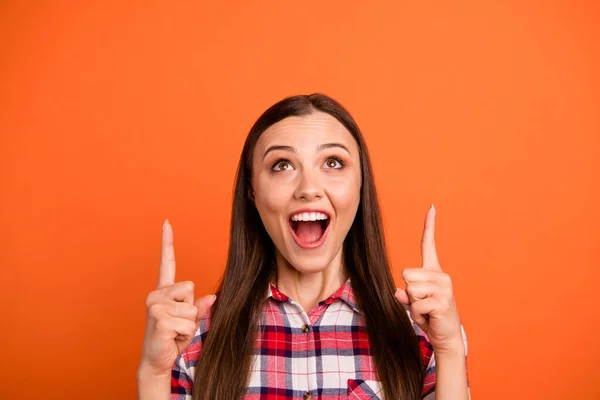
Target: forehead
{"points": [[314, 128]]}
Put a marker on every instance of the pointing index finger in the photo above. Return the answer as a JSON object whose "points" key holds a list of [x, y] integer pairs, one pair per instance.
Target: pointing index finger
{"points": [[166, 276], [428, 251]]}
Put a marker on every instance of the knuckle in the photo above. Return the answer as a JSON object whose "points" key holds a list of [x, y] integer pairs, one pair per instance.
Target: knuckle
{"points": [[155, 311], [183, 310], [445, 303], [445, 278], [190, 327], [414, 315], [162, 325], [174, 308], [151, 298], [405, 274], [188, 286]]}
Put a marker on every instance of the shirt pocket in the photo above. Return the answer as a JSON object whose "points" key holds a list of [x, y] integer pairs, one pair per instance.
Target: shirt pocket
{"points": [[359, 389]]}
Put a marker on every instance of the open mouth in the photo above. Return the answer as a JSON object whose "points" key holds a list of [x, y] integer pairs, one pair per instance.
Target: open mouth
{"points": [[309, 229]]}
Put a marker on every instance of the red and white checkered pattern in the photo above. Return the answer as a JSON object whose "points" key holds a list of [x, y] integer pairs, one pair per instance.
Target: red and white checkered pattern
{"points": [[324, 353]]}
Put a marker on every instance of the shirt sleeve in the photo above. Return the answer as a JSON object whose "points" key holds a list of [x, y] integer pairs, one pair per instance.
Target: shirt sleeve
{"points": [[430, 367], [428, 357], [182, 374], [181, 380]]}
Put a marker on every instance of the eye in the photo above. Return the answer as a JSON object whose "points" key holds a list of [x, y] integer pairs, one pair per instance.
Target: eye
{"points": [[334, 163], [282, 165]]}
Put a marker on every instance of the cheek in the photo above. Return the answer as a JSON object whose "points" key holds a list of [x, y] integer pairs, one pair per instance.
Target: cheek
{"points": [[345, 198], [270, 201]]}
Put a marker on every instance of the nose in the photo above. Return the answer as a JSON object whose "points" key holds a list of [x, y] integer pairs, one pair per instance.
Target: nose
{"points": [[309, 187]]}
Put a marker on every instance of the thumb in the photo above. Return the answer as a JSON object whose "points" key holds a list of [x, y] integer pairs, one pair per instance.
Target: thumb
{"points": [[204, 304], [402, 296]]}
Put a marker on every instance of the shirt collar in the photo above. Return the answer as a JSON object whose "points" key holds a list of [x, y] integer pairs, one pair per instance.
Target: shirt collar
{"points": [[344, 293]]}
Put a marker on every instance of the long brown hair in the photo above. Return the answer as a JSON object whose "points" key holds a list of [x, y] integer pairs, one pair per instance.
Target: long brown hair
{"points": [[223, 367]]}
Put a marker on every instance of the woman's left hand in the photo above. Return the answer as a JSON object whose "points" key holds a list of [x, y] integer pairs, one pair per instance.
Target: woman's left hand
{"points": [[430, 298]]}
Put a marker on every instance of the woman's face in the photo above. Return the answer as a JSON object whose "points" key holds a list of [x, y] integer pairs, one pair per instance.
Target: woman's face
{"points": [[306, 185]]}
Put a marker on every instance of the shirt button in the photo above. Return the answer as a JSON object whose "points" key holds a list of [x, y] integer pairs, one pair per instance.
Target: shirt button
{"points": [[307, 395], [305, 329]]}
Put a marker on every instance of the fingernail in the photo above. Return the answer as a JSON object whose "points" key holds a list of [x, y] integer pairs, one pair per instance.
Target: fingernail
{"points": [[433, 208], [212, 300], [165, 224]]}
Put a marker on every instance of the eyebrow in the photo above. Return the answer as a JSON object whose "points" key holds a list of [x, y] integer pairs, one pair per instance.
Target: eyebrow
{"points": [[320, 148], [332, 145]]}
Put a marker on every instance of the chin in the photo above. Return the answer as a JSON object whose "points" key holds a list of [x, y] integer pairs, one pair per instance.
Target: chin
{"points": [[309, 263], [309, 268]]}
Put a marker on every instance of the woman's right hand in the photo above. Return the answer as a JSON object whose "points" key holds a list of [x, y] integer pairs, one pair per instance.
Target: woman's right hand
{"points": [[172, 317]]}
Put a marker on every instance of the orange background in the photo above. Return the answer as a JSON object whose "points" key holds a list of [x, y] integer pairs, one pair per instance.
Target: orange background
{"points": [[116, 116]]}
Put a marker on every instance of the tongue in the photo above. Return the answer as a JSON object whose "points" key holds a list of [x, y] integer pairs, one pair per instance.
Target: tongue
{"points": [[309, 231]]}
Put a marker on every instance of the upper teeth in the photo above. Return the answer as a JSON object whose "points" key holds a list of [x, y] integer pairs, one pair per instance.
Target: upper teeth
{"points": [[312, 216]]}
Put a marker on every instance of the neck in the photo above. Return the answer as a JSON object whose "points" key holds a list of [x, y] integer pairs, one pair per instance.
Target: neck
{"points": [[308, 289]]}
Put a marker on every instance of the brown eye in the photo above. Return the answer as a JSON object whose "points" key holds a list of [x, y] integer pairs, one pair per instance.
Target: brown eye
{"points": [[282, 166], [333, 163]]}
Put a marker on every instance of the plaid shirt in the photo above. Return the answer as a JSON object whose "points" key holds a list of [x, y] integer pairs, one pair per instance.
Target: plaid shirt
{"points": [[320, 355]]}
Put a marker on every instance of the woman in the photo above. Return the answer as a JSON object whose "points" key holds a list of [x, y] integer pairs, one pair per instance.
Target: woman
{"points": [[307, 307]]}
